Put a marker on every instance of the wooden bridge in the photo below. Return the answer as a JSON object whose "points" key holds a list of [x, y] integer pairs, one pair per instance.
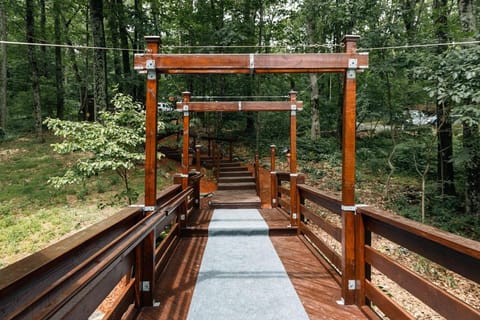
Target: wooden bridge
{"points": [[301, 254]]}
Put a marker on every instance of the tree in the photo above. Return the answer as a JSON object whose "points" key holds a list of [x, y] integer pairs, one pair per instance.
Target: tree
{"points": [[445, 171], [471, 134], [99, 56], [3, 67], [60, 90], [37, 109], [113, 143], [313, 35]]}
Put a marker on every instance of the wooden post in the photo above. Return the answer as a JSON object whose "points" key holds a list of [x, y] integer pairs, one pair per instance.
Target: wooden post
{"points": [[349, 280], [145, 260], [294, 216], [257, 173], [273, 182], [186, 139], [197, 157]]}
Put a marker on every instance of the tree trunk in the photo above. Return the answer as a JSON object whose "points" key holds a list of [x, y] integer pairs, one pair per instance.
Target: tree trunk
{"points": [[466, 10], [43, 38], [312, 16], [471, 134], [124, 41], [315, 106], [37, 109], [3, 68], [99, 57], [114, 40], [445, 172], [60, 90]]}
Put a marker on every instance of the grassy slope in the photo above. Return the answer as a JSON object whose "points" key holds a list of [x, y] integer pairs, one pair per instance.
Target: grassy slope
{"points": [[32, 213]]}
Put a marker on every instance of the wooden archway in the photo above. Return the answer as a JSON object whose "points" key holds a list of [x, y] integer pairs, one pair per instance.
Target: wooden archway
{"points": [[186, 106], [347, 63]]}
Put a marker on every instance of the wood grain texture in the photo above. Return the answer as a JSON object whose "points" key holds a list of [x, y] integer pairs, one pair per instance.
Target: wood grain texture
{"points": [[249, 63], [238, 106]]}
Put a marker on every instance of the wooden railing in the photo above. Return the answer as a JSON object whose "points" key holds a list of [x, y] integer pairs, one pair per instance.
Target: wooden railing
{"points": [[71, 278], [322, 211]]}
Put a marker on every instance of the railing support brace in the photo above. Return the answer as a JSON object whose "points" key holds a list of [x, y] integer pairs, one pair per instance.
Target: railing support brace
{"points": [[348, 178], [294, 216], [145, 255], [273, 180]]}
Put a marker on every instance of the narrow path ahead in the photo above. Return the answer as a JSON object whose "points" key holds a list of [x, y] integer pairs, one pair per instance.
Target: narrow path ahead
{"points": [[241, 275]]}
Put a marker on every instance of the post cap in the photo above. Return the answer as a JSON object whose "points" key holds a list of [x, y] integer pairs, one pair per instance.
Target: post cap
{"points": [[350, 38], [152, 39]]}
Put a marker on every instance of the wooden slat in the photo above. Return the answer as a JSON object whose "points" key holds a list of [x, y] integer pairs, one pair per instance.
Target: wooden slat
{"points": [[387, 305], [447, 239], [249, 63], [81, 305], [326, 226], [441, 301], [322, 199], [121, 304], [167, 254], [238, 106], [166, 241], [327, 264], [446, 249], [284, 204], [329, 253], [284, 191]]}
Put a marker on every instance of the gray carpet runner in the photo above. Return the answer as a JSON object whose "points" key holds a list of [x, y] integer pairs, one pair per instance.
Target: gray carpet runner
{"points": [[241, 275]]}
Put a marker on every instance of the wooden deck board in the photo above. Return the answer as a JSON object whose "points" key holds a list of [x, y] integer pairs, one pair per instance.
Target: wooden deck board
{"points": [[235, 199], [317, 289]]}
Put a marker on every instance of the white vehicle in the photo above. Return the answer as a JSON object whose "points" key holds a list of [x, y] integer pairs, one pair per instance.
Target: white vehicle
{"points": [[163, 106]]}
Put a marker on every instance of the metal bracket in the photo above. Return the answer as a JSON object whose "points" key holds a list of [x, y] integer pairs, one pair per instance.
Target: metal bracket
{"points": [[349, 208], [351, 74], [293, 174], [252, 63], [274, 200], [352, 63], [183, 175], [294, 215], [352, 208], [294, 110], [149, 208], [145, 286], [151, 72], [185, 110], [273, 172], [353, 284], [239, 105], [182, 217]]}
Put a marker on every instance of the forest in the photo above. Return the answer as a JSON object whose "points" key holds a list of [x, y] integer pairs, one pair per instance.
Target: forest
{"points": [[67, 59]]}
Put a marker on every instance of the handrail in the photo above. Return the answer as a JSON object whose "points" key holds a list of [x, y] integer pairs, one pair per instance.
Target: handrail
{"points": [[58, 281], [450, 251]]}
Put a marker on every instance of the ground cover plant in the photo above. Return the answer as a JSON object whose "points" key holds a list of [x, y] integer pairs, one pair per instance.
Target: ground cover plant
{"points": [[34, 214]]}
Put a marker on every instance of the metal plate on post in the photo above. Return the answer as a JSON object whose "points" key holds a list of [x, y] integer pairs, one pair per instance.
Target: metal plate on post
{"points": [[151, 72], [351, 74], [145, 286], [352, 63]]}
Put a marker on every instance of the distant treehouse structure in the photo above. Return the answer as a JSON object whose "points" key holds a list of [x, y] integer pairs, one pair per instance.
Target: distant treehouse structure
{"points": [[347, 63]]}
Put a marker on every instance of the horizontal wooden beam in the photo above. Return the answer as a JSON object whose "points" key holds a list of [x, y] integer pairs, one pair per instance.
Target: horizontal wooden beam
{"points": [[250, 63], [238, 106]]}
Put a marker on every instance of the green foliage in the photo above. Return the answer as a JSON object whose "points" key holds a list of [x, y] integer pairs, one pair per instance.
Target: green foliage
{"points": [[455, 79], [113, 143]]}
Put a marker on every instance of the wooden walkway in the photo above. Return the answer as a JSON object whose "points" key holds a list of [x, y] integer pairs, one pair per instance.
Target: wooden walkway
{"points": [[313, 280]]}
